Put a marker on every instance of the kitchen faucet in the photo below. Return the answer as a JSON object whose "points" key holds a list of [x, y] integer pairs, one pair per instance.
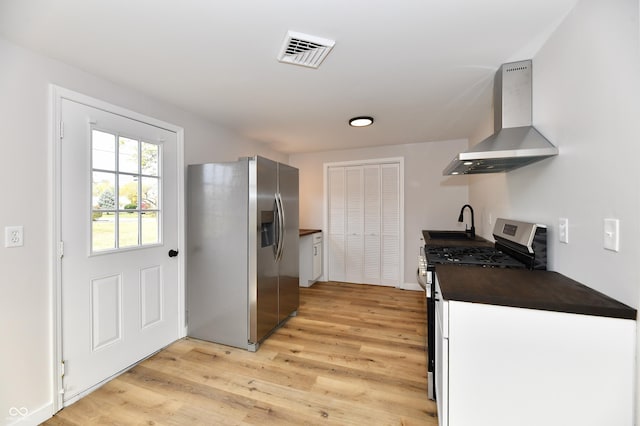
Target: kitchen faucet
{"points": [[472, 231]]}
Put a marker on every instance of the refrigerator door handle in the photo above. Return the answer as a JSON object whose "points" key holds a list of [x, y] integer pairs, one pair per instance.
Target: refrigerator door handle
{"points": [[281, 225], [276, 243], [276, 247], [284, 224]]}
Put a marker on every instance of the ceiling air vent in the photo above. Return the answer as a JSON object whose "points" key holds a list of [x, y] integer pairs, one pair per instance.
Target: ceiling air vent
{"points": [[304, 49]]}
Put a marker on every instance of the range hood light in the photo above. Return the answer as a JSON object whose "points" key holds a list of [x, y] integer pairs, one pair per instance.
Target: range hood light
{"points": [[468, 163], [455, 173]]}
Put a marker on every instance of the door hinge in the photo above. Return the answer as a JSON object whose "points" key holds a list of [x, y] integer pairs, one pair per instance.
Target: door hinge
{"points": [[61, 129], [61, 249], [62, 369]]}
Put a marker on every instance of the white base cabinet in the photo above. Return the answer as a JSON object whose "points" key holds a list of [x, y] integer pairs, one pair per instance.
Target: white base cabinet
{"points": [[498, 365], [310, 259]]}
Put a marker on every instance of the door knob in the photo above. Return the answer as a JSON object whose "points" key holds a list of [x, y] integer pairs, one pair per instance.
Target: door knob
{"points": [[173, 253]]}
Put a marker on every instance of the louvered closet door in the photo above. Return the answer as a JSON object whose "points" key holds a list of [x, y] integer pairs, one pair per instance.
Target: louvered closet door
{"points": [[354, 248], [336, 232], [364, 224], [390, 251], [372, 223]]}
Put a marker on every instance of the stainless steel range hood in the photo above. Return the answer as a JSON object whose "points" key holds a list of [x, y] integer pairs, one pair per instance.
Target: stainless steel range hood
{"points": [[516, 142]]}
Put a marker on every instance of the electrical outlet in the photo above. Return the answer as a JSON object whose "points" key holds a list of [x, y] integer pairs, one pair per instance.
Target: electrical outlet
{"points": [[13, 236]]}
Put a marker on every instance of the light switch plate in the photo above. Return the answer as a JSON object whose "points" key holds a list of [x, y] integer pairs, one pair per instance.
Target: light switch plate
{"points": [[612, 234], [563, 230]]}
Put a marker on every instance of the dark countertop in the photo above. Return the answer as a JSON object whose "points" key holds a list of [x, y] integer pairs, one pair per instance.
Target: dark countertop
{"points": [[477, 241], [545, 290], [304, 232]]}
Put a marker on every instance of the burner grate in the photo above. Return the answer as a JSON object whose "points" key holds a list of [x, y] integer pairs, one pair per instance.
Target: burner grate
{"points": [[480, 256]]}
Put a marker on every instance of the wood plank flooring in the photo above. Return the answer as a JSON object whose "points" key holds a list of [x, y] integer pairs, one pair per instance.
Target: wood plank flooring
{"points": [[354, 355]]}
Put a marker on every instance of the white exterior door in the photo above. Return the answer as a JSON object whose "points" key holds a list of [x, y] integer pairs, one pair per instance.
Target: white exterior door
{"points": [[120, 296]]}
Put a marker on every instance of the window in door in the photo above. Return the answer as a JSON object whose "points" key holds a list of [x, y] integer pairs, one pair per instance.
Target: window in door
{"points": [[126, 182]]}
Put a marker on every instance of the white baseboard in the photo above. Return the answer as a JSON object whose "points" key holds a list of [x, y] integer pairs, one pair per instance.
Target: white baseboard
{"points": [[405, 286], [23, 417], [411, 286]]}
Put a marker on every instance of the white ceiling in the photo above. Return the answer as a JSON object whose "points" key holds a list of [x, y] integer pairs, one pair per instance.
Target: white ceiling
{"points": [[423, 68]]}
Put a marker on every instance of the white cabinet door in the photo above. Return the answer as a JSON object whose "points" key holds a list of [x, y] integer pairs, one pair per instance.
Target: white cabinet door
{"points": [[310, 259], [316, 269], [504, 363]]}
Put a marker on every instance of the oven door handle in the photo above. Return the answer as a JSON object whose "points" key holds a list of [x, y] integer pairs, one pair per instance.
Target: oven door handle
{"points": [[420, 279]]}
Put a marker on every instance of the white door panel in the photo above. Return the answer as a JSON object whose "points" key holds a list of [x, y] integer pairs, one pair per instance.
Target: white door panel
{"points": [[106, 311], [151, 291], [119, 305]]}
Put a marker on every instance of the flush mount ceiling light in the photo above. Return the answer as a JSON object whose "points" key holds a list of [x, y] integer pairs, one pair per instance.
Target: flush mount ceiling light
{"points": [[361, 121]]}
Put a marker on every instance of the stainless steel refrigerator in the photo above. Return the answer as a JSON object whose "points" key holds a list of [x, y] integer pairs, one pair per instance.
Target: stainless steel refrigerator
{"points": [[242, 250]]}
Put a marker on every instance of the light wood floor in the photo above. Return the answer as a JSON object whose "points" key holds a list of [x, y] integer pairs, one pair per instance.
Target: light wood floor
{"points": [[354, 355]]}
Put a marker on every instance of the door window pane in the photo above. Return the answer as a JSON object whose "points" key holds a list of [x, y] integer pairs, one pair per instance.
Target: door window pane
{"points": [[128, 229], [103, 192], [103, 150], [128, 194], [149, 158], [125, 201], [150, 194], [128, 155], [150, 226], [103, 231]]}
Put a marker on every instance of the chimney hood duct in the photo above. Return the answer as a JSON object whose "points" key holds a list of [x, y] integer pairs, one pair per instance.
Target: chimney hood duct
{"points": [[516, 142]]}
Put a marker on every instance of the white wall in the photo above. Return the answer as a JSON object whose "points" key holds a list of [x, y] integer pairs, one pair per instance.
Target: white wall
{"points": [[432, 201], [586, 99], [25, 282]]}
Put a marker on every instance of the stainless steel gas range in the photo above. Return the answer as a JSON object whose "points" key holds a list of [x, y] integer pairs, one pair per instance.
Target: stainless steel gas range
{"points": [[520, 245]]}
